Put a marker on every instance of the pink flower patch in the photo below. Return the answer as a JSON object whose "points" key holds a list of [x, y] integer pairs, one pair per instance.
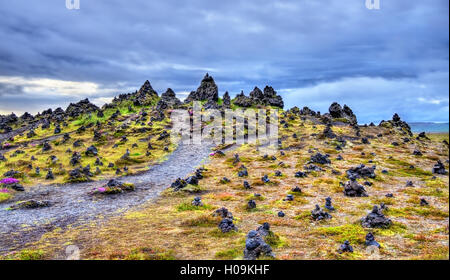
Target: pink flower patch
{"points": [[8, 181]]}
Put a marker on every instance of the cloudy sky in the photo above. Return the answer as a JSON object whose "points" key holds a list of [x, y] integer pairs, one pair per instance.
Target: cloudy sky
{"points": [[313, 52]]}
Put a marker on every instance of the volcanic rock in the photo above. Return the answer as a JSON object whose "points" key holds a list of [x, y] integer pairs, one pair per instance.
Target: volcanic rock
{"points": [[318, 214], [376, 219], [353, 189]]}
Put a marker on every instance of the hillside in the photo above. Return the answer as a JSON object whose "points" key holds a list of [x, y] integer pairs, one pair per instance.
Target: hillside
{"points": [[148, 213]]}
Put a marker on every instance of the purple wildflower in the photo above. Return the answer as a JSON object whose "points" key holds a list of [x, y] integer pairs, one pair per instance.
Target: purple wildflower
{"points": [[8, 181]]}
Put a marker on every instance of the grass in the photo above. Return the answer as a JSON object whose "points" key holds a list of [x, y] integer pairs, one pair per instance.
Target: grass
{"points": [[4, 197], [189, 232]]}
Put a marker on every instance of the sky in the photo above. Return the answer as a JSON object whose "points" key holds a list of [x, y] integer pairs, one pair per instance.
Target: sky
{"points": [[313, 52]]}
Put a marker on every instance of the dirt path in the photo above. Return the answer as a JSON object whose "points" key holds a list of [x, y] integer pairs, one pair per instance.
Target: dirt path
{"points": [[71, 204]]}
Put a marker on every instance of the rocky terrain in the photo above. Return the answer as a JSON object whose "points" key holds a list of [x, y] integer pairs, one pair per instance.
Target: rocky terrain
{"points": [[109, 181]]}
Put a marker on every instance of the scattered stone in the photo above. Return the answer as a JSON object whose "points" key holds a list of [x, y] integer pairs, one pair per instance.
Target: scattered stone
{"points": [[289, 197], [281, 214], [417, 153], [178, 184], [318, 214], [242, 171], [30, 204], [376, 219], [57, 129], [339, 157], [389, 195], [320, 159], [98, 162], [265, 179], [300, 174], [328, 132], [247, 185], [192, 180], [255, 247], [75, 159], [328, 204], [225, 180], [46, 147], [423, 202], [251, 204], [370, 240], [353, 189], [361, 171], [110, 165], [346, 247], [439, 168], [409, 184], [197, 201], [226, 225], [296, 189], [223, 212], [77, 143], [49, 175]]}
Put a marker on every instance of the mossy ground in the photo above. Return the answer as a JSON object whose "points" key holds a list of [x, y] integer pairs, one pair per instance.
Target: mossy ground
{"points": [[170, 227], [125, 124]]}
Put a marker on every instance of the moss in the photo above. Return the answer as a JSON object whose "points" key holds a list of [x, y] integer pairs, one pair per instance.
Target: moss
{"points": [[351, 232], [25, 255], [187, 206], [4, 197], [150, 254], [229, 254], [202, 221], [218, 233], [193, 189], [425, 211], [275, 240]]}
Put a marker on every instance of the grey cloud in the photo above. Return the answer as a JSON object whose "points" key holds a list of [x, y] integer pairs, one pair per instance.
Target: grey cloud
{"points": [[287, 44]]}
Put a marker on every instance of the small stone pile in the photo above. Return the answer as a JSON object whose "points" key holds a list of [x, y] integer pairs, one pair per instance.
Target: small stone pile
{"points": [[318, 214], [353, 189], [370, 240], [376, 219], [439, 168], [361, 171]]}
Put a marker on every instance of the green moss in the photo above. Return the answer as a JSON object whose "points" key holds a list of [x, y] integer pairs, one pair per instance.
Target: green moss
{"points": [[351, 232], [150, 254], [229, 254], [426, 211], [187, 206], [4, 197], [193, 189], [25, 255]]}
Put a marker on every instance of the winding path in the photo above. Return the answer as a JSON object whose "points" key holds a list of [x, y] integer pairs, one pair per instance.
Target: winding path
{"points": [[72, 205]]}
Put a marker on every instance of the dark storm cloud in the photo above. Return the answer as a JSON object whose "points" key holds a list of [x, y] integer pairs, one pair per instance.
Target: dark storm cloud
{"points": [[387, 60]]}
